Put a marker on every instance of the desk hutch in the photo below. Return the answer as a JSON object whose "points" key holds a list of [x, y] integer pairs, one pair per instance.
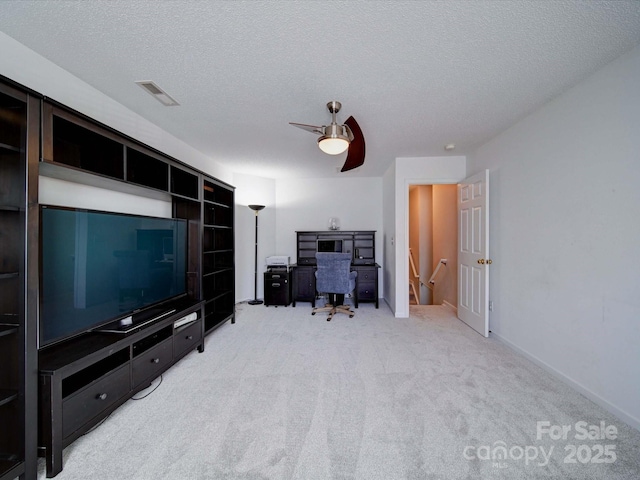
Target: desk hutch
{"points": [[362, 244]]}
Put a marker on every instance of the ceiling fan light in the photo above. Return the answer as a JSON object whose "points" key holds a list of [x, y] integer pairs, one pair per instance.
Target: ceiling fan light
{"points": [[334, 141], [333, 145]]}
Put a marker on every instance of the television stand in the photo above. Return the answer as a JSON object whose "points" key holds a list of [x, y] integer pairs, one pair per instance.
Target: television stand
{"points": [[130, 323], [84, 379]]}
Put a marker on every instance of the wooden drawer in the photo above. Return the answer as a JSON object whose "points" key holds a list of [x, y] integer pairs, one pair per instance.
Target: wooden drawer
{"points": [[149, 364], [366, 291], [276, 289], [89, 402], [366, 275], [186, 338], [276, 276], [367, 284]]}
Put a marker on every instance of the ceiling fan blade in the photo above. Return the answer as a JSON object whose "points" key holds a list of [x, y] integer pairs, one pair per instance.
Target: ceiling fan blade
{"points": [[309, 128], [355, 155]]}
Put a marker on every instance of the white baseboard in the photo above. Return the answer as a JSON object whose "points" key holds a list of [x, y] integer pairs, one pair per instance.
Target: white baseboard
{"points": [[452, 307], [595, 398]]}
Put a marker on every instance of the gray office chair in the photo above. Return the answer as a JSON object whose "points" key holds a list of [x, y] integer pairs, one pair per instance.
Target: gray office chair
{"points": [[335, 278]]}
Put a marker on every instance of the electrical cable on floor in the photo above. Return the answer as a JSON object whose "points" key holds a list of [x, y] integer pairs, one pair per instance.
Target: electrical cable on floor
{"points": [[149, 393], [132, 398], [96, 426]]}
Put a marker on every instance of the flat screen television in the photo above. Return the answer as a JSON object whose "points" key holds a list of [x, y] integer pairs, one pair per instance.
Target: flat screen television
{"points": [[101, 267], [329, 245]]}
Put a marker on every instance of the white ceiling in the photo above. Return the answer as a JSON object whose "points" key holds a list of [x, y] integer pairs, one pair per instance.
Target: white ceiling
{"points": [[416, 75]]}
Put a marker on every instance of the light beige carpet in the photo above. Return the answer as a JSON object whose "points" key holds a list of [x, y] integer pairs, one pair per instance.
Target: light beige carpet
{"points": [[283, 394]]}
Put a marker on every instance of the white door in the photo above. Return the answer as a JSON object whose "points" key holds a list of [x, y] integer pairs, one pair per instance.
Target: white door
{"points": [[473, 252]]}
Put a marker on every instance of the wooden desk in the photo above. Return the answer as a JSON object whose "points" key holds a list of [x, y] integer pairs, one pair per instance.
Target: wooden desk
{"points": [[303, 286], [361, 244]]}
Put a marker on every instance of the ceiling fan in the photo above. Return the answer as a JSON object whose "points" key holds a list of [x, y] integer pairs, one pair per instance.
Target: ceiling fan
{"points": [[335, 139]]}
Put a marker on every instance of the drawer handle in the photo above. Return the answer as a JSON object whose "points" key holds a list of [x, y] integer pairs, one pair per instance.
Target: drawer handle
{"points": [[155, 360], [275, 276], [189, 337], [275, 285], [101, 396]]}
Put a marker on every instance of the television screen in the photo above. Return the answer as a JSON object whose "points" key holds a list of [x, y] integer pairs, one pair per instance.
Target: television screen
{"points": [[329, 245], [97, 267]]}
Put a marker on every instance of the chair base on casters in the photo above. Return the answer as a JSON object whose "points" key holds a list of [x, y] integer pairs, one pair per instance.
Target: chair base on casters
{"points": [[332, 308]]}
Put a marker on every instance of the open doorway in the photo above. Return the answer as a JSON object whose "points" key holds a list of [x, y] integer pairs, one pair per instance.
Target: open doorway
{"points": [[433, 245]]}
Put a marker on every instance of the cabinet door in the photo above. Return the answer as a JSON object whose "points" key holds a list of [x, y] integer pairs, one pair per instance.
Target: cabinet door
{"points": [[305, 284]]}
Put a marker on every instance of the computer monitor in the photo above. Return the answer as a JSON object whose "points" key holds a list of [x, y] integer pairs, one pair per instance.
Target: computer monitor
{"points": [[327, 245]]}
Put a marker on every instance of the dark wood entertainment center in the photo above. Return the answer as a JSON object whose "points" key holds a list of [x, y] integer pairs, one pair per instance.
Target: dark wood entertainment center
{"points": [[85, 378], [50, 396]]}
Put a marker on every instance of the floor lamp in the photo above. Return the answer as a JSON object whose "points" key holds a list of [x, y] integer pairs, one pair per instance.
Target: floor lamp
{"points": [[255, 301]]}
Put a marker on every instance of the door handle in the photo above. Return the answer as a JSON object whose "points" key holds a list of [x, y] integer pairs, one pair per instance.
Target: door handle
{"points": [[481, 261]]}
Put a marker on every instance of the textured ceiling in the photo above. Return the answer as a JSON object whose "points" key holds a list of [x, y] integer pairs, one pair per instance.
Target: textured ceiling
{"points": [[416, 75]]}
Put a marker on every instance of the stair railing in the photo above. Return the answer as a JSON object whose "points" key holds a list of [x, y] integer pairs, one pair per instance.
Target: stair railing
{"points": [[432, 280]]}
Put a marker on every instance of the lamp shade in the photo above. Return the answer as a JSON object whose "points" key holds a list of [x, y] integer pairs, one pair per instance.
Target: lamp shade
{"points": [[333, 146], [256, 208]]}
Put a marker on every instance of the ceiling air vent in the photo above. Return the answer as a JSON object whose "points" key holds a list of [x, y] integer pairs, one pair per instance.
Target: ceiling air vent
{"points": [[157, 93]]}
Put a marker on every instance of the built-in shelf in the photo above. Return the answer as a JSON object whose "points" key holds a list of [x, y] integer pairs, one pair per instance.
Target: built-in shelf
{"points": [[7, 396], [41, 139], [9, 148], [10, 466], [7, 329], [19, 137]]}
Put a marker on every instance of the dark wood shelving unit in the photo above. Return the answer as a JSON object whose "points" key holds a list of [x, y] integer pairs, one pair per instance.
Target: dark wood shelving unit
{"points": [[39, 136], [18, 381], [146, 170], [80, 147], [217, 253], [70, 144]]}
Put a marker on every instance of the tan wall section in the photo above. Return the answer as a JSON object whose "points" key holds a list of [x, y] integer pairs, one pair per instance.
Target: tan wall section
{"points": [[445, 243]]}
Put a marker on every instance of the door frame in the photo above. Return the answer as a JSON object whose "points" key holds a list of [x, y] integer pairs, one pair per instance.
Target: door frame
{"points": [[402, 276]]}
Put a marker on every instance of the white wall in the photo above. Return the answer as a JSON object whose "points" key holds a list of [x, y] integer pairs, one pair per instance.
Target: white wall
{"points": [[68, 194], [388, 236], [251, 190], [307, 204], [295, 205], [565, 235]]}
